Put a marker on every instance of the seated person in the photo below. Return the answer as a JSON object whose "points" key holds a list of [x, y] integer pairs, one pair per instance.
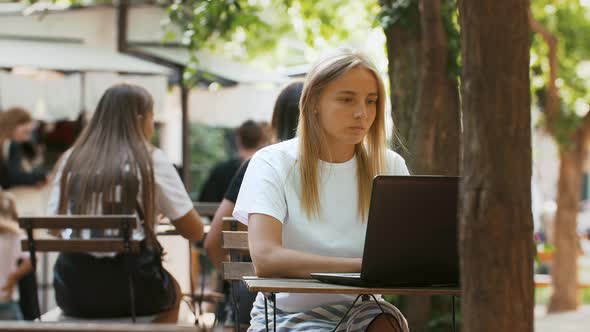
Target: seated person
{"points": [[306, 200], [250, 137], [283, 127], [16, 126], [10, 273], [112, 169]]}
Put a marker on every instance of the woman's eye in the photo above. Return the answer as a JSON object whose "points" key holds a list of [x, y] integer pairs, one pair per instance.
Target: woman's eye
{"points": [[372, 101], [346, 100]]}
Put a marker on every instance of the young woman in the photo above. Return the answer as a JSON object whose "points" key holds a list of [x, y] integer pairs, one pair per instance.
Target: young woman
{"points": [[112, 169], [10, 272], [306, 200], [16, 126]]}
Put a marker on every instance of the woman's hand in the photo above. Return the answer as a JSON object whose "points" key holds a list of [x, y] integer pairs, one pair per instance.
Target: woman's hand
{"points": [[271, 259]]}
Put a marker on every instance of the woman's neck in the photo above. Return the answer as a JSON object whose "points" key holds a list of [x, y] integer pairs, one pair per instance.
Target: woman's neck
{"points": [[337, 153]]}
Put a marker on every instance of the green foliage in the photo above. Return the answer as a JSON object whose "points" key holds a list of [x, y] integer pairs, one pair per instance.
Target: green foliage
{"points": [[569, 21], [207, 148], [565, 126], [202, 20], [450, 16], [406, 14], [403, 13]]}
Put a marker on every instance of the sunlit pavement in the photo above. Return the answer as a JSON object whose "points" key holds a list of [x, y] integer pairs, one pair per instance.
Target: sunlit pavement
{"points": [[573, 321]]}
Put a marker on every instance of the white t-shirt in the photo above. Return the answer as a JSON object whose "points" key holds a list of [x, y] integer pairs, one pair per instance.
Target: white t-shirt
{"points": [[272, 186], [171, 198]]}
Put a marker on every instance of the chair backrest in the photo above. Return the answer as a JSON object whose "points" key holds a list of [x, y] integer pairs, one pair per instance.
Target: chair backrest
{"points": [[235, 239], [123, 243], [206, 209]]}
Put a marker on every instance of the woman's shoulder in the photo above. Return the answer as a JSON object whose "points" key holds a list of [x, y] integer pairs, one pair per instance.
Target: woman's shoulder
{"points": [[283, 152], [160, 160], [395, 163]]}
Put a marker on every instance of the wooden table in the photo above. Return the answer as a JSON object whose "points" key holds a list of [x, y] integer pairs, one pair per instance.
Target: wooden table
{"points": [[284, 285]]}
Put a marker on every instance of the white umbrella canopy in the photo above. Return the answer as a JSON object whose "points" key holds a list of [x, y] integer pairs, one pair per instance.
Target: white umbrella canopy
{"points": [[75, 57]]}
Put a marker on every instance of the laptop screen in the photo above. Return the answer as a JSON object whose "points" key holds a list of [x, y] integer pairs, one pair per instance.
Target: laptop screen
{"points": [[412, 231]]}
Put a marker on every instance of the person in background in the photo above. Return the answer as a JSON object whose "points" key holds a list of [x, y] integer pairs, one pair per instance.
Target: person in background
{"points": [[10, 272], [250, 137], [283, 127], [16, 126], [113, 169]]}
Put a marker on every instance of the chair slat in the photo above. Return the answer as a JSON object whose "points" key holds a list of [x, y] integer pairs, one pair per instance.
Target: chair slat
{"points": [[94, 245], [236, 270], [232, 224], [79, 221], [235, 240], [206, 209]]}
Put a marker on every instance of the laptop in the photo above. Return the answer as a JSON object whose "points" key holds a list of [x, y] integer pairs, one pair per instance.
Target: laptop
{"points": [[411, 238]]}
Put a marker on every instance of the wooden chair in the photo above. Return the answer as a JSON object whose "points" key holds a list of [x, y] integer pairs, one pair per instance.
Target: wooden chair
{"points": [[200, 295], [235, 239], [120, 244]]}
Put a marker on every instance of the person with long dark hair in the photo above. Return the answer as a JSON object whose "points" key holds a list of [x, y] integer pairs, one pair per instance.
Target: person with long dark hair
{"points": [[113, 169], [283, 127]]}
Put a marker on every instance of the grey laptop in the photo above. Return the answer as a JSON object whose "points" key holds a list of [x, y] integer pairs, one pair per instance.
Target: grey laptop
{"points": [[411, 237]]}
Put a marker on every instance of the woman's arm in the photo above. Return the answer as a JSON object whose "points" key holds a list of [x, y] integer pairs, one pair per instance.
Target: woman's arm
{"points": [[213, 241], [13, 278], [190, 226], [272, 260]]}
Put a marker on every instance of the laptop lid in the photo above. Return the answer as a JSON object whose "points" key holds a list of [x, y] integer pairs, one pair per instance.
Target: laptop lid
{"points": [[412, 231]]}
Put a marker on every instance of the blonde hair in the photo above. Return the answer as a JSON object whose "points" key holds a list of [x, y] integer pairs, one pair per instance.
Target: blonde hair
{"points": [[370, 153]]}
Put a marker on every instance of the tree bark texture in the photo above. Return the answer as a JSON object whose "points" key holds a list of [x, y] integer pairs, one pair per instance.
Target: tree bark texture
{"points": [[403, 53], [565, 268], [496, 226], [436, 134]]}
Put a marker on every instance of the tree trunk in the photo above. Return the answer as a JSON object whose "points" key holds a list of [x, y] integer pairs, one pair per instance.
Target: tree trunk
{"points": [[565, 268], [436, 138], [495, 211], [122, 25], [403, 53]]}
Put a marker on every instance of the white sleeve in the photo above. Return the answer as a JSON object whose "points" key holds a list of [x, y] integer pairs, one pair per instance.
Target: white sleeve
{"points": [[396, 165], [262, 191], [171, 197], [400, 166], [53, 202]]}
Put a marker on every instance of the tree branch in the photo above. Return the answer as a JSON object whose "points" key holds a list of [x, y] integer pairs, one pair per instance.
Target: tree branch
{"points": [[552, 98], [584, 131]]}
